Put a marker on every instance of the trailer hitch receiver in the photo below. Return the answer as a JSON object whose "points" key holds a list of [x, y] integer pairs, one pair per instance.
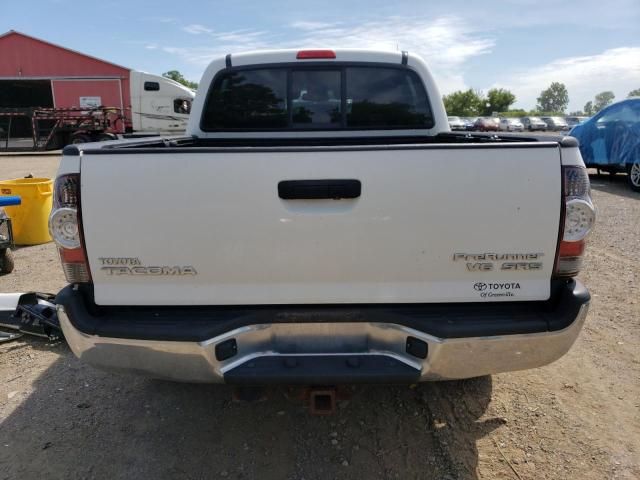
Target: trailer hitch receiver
{"points": [[322, 401]]}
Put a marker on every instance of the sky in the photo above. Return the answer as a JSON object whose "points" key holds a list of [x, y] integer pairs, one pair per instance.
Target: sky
{"points": [[521, 45]]}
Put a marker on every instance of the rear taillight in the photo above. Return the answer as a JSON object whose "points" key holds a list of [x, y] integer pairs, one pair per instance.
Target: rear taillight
{"points": [[578, 218], [65, 227]]}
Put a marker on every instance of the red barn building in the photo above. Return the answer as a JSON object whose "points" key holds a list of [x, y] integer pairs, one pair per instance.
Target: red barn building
{"points": [[35, 73]]}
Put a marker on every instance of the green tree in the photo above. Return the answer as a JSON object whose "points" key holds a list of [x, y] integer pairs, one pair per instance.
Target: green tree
{"points": [[602, 100], [468, 103], [588, 108], [498, 100], [634, 93], [175, 75], [553, 99]]}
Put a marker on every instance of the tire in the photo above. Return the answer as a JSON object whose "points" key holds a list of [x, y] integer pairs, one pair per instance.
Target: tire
{"points": [[6, 261], [633, 175], [80, 138]]}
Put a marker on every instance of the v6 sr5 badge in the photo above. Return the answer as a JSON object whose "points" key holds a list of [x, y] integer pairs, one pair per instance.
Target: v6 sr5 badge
{"points": [[489, 262]]}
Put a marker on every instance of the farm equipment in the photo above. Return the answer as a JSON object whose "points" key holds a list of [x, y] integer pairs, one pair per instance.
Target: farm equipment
{"points": [[53, 128]]}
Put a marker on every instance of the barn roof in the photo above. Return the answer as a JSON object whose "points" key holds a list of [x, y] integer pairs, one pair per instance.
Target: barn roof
{"points": [[75, 52]]}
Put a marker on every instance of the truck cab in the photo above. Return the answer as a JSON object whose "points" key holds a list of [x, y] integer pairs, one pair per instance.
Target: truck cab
{"points": [[159, 104]]}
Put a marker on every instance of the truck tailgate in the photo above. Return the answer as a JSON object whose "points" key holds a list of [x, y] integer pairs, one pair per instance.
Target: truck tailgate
{"points": [[437, 223]]}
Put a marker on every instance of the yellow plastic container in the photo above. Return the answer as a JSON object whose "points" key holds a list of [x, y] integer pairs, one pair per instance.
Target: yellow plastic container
{"points": [[29, 219]]}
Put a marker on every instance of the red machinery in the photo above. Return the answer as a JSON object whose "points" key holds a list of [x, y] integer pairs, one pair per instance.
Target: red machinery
{"points": [[53, 128]]}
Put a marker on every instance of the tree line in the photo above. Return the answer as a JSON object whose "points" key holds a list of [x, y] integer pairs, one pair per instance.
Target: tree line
{"points": [[552, 101], [472, 103], [176, 76]]}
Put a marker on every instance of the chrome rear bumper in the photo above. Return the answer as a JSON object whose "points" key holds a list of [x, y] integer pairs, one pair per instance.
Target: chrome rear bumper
{"points": [[292, 347]]}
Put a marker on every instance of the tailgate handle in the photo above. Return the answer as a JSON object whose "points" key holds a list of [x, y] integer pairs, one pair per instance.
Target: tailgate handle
{"points": [[319, 189]]}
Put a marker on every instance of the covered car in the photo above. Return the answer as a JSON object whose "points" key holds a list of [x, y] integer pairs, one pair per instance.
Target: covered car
{"points": [[610, 140]]}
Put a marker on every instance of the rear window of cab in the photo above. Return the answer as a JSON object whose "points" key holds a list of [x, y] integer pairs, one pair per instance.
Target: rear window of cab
{"points": [[320, 97]]}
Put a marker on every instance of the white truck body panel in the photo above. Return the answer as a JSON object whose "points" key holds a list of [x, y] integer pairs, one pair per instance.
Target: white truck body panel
{"points": [[220, 214], [154, 111]]}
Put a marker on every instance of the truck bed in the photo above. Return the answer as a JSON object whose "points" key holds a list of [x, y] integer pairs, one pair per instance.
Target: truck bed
{"points": [[446, 139]]}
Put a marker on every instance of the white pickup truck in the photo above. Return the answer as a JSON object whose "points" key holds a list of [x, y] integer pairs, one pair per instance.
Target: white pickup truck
{"points": [[319, 225]]}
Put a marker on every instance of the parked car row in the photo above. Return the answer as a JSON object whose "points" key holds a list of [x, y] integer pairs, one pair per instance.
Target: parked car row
{"points": [[609, 141], [513, 124]]}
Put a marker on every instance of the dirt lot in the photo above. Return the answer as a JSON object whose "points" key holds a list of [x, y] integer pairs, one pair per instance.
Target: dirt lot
{"points": [[576, 419]]}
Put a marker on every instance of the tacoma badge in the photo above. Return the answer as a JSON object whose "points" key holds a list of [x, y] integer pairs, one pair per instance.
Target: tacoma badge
{"points": [[133, 266]]}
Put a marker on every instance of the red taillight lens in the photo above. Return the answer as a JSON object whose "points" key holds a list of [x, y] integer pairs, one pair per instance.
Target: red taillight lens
{"points": [[570, 258], [311, 54], [572, 249], [578, 219], [65, 227]]}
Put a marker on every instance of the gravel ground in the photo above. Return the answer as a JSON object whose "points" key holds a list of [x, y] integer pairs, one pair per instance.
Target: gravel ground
{"points": [[577, 418]]}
